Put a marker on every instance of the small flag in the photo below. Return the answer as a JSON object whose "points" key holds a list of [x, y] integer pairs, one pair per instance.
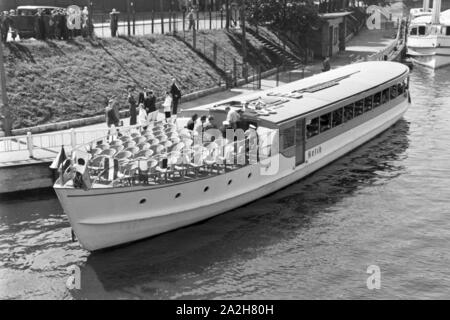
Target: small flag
{"points": [[65, 171], [111, 169], [82, 174], [59, 159]]}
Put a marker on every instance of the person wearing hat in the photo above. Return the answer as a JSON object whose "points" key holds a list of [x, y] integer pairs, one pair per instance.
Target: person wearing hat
{"points": [[114, 22]]}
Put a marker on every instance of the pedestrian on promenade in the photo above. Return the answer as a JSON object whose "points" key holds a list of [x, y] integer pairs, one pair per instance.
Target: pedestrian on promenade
{"points": [[114, 22], [167, 104], [2, 19], [150, 106], [326, 64], [85, 22], [39, 26], [133, 107], [5, 23], [191, 19], [176, 96]]}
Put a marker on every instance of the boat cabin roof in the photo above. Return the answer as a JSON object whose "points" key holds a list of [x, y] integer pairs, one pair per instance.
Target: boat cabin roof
{"points": [[311, 94]]}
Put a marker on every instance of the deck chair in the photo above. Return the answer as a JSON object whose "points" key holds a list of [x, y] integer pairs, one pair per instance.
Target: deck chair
{"points": [[108, 152], [143, 154], [143, 146]]}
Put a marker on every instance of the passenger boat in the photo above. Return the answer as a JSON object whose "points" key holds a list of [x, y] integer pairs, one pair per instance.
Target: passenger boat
{"points": [[165, 176], [429, 37]]}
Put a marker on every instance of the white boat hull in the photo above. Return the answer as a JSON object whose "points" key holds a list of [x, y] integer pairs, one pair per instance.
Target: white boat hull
{"points": [[430, 58], [108, 217], [429, 51]]}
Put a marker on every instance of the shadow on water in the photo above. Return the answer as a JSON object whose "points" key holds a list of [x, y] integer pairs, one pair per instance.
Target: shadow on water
{"points": [[151, 268]]}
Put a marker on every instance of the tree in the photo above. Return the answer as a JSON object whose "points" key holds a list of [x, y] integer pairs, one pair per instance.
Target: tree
{"points": [[298, 19]]}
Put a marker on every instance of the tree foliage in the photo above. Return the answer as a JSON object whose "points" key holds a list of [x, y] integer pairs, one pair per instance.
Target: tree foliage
{"points": [[290, 15]]}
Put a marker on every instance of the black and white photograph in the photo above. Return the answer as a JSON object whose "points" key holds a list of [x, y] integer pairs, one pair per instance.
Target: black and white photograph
{"points": [[241, 151]]}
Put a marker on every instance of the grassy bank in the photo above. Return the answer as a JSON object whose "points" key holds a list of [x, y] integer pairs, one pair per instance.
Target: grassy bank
{"points": [[230, 47], [56, 81]]}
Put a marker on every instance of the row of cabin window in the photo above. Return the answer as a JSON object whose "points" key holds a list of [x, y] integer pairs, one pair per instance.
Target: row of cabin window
{"points": [[422, 31], [339, 116]]}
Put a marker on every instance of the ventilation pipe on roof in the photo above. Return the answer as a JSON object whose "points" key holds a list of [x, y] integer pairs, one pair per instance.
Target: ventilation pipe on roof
{"points": [[436, 11]]}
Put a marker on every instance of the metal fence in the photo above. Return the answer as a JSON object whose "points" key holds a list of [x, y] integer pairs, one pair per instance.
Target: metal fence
{"points": [[146, 23]]}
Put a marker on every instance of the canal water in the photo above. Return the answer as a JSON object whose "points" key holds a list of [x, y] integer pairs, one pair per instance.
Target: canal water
{"points": [[385, 204]]}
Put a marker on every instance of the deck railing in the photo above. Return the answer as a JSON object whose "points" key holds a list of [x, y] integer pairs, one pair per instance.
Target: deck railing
{"points": [[50, 142], [386, 52]]}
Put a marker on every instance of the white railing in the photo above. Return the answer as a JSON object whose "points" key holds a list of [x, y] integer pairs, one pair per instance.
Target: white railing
{"points": [[69, 139], [380, 55]]}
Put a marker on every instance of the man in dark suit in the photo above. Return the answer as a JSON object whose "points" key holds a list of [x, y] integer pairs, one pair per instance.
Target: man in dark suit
{"points": [[176, 97], [114, 24]]}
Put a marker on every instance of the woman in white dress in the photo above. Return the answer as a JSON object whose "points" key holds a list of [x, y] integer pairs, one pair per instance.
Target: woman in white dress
{"points": [[167, 104], [142, 117]]}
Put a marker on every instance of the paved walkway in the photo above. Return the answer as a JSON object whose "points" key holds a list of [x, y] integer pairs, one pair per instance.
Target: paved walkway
{"points": [[364, 44]]}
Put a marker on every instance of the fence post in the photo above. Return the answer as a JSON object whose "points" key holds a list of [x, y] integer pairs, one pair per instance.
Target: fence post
{"points": [[153, 21], [198, 19], [134, 19], [194, 38], [234, 73], [184, 21], [30, 144], [278, 76], [210, 19], [162, 22], [170, 21], [174, 22], [215, 53], [73, 138], [129, 17], [259, 76], [221, 19]]}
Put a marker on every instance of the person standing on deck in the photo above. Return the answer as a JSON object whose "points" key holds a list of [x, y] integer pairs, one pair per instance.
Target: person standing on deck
{"points": [[112, 119], [114, 22], [142, 117], [191, 123], [167, 104], [150, 106], [176, 97], [232, 117], [133, 107]]}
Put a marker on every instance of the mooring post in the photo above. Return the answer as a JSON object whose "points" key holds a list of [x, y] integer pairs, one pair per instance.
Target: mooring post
{"points": [[73, 138], [30, 144]]}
